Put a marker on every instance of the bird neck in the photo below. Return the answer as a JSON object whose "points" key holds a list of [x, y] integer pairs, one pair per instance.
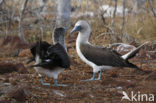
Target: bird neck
{"points": [[83, 37], [60, 40]]}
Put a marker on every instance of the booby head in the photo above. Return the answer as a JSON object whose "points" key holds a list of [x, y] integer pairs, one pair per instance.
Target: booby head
{"points": [[98, 57], [58, 36], [82, 27], [51, 60]]}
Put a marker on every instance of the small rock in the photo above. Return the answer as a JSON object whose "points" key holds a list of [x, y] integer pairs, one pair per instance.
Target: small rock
{"points": [[130, 84], [120, 88], [7, 67], [110, 90], [113, 74], [19, 94], [4, 101], [91, 96], [10, 67], [59, 93], [151, 76], [21, 68], [12, 81], [7, 84]]}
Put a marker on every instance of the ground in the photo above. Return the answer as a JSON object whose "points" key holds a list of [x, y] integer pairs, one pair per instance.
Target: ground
{"points": [[23, 85]]}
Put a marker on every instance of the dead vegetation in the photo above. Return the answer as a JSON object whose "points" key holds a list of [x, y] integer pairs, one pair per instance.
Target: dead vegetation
{"points": [[26, 87], [20, 84]]}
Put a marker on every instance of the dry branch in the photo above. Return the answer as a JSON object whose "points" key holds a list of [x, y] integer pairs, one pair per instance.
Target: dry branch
{"points": [[151, 2], [123, 16], [63, 13], [114, 13], [102, 12], [1, 1], [21, 31]]}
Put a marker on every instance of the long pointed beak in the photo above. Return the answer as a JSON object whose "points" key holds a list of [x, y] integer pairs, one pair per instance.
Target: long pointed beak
{"points": [[72, 31], [75, 29]]}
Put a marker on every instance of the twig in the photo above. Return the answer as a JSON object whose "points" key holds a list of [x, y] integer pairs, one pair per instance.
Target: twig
{"points": [[114, 13], [151, 2], [1, 2], [102, 13], [139, 30], [63, 13], [102, 34], [123, 16], [21, 32], [41, 35], [128, 75]]}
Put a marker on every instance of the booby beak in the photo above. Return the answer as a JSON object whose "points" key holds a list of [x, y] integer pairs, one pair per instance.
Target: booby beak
{"points": [[31, 60], [75, 29]]}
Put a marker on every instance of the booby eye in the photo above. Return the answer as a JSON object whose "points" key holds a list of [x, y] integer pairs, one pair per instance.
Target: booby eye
{"points": [[78, 28]]}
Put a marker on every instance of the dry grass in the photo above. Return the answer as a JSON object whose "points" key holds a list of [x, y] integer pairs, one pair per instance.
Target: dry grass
{"points": [[104, 90], [141, 26]]}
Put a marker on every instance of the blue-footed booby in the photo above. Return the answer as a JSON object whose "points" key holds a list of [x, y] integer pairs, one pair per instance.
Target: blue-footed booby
{"points": [[99, 57], [51, 60]]}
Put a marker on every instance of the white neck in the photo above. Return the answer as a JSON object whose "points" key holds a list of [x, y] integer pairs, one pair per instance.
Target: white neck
{"points": [[83, 37]]}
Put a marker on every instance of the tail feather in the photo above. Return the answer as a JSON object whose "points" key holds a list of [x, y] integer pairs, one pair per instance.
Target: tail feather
{"points": [[132, 53], [134, 66]]}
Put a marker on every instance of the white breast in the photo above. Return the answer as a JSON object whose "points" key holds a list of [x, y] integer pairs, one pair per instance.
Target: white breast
{"points": [[50, 73], [80, 53], [37, 61], [95, 67]]}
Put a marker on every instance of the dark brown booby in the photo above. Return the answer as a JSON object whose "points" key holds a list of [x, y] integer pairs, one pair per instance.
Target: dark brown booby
{"points": [[99, 57], [51, 60]]}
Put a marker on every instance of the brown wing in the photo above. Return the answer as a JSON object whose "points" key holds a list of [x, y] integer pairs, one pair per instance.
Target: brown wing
{"points": [[61, 57], [102, 56]]}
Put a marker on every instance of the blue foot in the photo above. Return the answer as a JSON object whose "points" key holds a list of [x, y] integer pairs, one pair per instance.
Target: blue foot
{"points": [[42, 81], [100, 74], [93, 78], [59, 85]]}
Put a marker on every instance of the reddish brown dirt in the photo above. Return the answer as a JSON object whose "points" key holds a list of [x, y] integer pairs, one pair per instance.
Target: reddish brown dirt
{"points": [[26, 88]]}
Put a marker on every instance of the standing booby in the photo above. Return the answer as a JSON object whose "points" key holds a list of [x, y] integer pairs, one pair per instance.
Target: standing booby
{"points": [[98, 57], [51, 60]]}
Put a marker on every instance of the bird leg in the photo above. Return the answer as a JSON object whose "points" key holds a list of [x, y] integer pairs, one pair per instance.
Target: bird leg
{"points": [[93, 78], [100, 74], [42, 81], [59, 85]]}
